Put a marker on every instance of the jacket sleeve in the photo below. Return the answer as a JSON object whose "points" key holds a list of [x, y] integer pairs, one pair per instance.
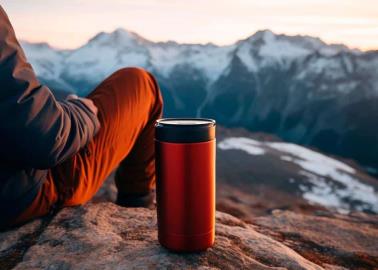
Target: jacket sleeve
{"points": [[35, 129]]}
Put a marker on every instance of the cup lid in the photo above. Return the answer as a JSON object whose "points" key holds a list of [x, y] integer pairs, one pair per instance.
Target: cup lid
{"points": [[185, 130]]}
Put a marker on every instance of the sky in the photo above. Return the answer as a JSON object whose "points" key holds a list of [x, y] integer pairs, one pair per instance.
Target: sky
{"points": [[71, 23]]}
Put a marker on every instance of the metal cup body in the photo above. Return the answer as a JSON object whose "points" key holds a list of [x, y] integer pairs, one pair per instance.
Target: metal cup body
{"points": [[185, 187]]}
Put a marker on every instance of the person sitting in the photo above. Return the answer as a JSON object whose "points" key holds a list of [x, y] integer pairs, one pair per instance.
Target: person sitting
{"points": [[58, 153]]}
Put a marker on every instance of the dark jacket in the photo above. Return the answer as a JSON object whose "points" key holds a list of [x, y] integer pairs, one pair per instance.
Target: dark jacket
{"points": [[37, 132]]}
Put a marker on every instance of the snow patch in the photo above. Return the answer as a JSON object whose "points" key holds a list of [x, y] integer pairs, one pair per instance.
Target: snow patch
{"points": [[311, 160], [250, 146], [282, 49], [209, 59], [245, 55], [324, 192], [328, 182], [343, 187]]}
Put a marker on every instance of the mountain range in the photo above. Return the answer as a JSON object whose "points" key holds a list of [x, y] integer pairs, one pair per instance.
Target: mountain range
{"points": [[297, 87]]}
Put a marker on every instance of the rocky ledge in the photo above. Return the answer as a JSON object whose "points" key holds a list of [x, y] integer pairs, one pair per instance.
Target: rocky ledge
{"points": [[106, 236]]}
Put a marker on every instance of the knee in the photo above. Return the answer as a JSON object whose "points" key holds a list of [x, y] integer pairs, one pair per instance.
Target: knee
{"points": [[140, 79], [133, 76], [132, 72]]}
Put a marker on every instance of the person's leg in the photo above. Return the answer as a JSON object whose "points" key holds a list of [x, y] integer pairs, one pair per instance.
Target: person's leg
{"points": [[129, 102], [135, 176], [42, 204]]}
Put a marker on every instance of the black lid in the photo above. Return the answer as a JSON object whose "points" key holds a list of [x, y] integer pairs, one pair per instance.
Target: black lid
{"points": [[185, 130]]}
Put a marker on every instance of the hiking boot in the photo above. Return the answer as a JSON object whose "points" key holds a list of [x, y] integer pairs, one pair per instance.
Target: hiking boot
{"points": [[146, 200]]}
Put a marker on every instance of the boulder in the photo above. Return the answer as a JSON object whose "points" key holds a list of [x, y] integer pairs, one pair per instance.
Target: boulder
{"points": [[106, 236]]}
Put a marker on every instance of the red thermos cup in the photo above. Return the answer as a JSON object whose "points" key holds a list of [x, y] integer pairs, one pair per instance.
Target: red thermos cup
{"points": [[185, 185]]}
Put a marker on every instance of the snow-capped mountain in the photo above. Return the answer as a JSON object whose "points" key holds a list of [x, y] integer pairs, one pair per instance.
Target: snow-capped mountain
{"points": [[107, 52], [297, 87]]}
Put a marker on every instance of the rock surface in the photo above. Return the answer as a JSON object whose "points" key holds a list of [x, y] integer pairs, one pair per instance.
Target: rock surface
{"points": [[105, 236], [349, 241]]}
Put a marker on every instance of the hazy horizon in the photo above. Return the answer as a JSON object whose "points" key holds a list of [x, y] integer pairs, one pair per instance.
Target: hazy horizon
{"points": [[181, 43], [73, 23]]}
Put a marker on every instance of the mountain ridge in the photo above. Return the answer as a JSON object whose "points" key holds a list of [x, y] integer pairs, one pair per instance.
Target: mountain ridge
{"points": [[297, 87], [22, 41]]}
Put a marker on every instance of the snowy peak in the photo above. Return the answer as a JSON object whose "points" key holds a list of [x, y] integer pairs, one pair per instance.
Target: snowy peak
{"points": [[118, 38], [266, 49], [278, 47], [38, 45], [40, 50], [267, 37], [262, 35], [108, 51]]}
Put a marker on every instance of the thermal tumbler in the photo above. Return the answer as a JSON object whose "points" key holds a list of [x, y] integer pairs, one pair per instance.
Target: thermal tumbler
{"points": [[185, 183]]}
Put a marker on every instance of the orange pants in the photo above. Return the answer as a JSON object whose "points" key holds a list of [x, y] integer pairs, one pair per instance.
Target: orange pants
{"points": [[129, 102]]}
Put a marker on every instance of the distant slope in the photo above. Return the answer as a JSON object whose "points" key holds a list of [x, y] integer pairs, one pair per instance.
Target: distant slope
{"points": [[280, 173]]}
